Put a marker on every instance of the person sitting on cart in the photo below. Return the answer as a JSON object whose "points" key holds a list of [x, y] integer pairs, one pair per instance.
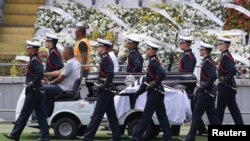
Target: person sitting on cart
{"points": [[64, 79]]}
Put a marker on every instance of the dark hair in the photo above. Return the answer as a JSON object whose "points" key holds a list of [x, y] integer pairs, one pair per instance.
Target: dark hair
{"points": [[70, 50], [54, 42], [189, 43], [82, 30], [208, 51]]}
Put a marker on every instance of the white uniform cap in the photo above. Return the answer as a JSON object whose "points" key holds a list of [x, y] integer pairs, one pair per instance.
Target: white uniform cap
{"points": [[185, 39], [206, 46], [103, 42], [22, 58], [153, 45], [132, 38], [51, 37], [223, 40], [31, 44]]}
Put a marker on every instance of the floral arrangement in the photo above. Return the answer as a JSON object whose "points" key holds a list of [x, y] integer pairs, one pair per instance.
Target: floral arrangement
{"points": [[155, 25], [145, 22], [129, 16], [102, 23], [204, 36], [196, 19], [51, 19], [237, 20]]}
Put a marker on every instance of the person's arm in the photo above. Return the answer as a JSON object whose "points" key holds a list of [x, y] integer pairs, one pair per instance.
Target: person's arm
{"points": [[37, 68], [56, 60], [66, 71], [52, 74], [160, 72], [57, 80], [39, 71], [83, 49], [136, 63], [188, 64], [230, 67], [210, 71], [142, 88], [109, 69]]}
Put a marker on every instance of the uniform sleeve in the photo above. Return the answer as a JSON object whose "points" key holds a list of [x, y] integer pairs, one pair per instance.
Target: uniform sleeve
{"points": [[159, 71], [134, 60], [109, 69], [188, 65], [56, 61], [38, 70], [67, 70], [82, 47], [142, 87], [229, 66], [210, 71]]}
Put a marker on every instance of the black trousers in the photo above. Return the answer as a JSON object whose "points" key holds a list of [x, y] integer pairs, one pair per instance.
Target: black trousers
{"points": [[226, 97], [155, 103], [33, 101], [204, 103], [105, 104]]}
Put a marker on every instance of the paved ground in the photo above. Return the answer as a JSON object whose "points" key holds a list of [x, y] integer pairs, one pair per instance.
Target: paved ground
{"points": [[100, 136]]}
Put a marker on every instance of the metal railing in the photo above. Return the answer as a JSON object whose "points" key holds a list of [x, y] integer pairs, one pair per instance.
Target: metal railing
{"points": [[11, 86], [12, 70]]}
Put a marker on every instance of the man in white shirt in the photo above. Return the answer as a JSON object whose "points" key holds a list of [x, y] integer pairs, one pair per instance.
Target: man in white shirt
{"points": [[65, 79]]}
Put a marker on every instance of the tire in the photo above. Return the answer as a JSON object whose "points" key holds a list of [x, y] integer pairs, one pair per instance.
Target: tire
{"points": [[151, 132], [65, 128]]}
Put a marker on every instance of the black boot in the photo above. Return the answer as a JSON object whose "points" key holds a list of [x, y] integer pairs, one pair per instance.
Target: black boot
{"points": [[11, 137]]}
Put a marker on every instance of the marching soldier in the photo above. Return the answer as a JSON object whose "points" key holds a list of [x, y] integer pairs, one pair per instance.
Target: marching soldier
{"points": [[155, 96], [227, 86], [105, 102], [34, 96], [206, 93], [54, 61], [188, 61], [135, 60], [187, 64]]}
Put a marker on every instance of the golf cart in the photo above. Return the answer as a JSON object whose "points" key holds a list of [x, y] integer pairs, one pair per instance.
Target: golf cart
{"points": [[72, 113]]}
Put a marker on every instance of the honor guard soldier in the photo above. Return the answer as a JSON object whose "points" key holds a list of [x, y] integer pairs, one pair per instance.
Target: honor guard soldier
{"points": [[188, 61], [187, 64], [105, 102], [34, 99], [155, 96], [54, 61], [135, 60], [227, 86], [205, 99]]}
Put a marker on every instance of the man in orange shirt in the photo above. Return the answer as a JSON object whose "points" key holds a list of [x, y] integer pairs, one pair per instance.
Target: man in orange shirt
{"points": [[82, 50]]}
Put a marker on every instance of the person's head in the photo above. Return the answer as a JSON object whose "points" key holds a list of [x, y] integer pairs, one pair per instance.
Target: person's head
{"points": [[51, 41], [104, 46], [68, 53], [32, 48], [152, 49], [205, 49], [80, 32], [43, 52], [110, 48], [185, 42], [224, 44], [133, 42]]}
